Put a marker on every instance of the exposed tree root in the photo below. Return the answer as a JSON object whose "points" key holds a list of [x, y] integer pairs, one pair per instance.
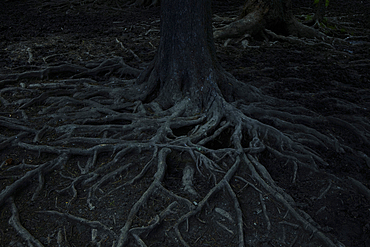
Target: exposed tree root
{"points": [[100, 147], [270, 21], [15, 222]]}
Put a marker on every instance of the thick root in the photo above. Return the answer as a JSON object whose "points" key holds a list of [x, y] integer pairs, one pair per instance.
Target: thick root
{"points": [[132, 171]]}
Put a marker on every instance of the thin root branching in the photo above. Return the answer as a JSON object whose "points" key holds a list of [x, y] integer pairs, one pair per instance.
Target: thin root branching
{"points": [[128, 171]]}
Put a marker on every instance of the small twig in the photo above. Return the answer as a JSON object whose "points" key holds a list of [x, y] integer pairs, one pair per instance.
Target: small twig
{"points": [[30, 55], [265, 213], [295, 226], [39, 188], [325, 191], [128, 50], [295, 168]]}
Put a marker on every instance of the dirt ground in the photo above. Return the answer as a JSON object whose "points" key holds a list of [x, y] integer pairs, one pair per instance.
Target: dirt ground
{"points": [[332, 81]]}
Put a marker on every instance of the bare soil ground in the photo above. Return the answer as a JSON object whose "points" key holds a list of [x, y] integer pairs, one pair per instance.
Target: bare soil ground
{"points": [[332, 81]]}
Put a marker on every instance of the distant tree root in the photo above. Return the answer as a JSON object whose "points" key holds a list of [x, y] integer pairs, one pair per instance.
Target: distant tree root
{"points": [[267, 20], [94, 141], [114, 66]]}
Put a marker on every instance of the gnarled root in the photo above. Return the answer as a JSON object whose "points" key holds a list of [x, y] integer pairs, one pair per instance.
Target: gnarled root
{"points": [[134, 172]]}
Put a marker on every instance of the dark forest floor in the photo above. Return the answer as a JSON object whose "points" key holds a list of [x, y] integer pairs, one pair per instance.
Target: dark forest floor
{"points": [[330, 81]]}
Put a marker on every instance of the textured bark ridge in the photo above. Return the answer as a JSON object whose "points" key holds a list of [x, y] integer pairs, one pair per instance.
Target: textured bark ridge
{"points": [[185, 65], [172, 157]]}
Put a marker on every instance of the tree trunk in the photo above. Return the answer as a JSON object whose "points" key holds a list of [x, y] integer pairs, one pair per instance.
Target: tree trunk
{"points": [[276, 13], [259, 15], [320, 12], [185, 66], [319, 15]]}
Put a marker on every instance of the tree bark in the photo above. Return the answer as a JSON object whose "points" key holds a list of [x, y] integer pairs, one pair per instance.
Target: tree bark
{"points": [[185, 65], [185, 68]]}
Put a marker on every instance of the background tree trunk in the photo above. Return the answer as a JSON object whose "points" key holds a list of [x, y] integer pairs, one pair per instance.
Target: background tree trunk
{"points": [[273, 15], [276, 13], [319, 15], [320, 12]]}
